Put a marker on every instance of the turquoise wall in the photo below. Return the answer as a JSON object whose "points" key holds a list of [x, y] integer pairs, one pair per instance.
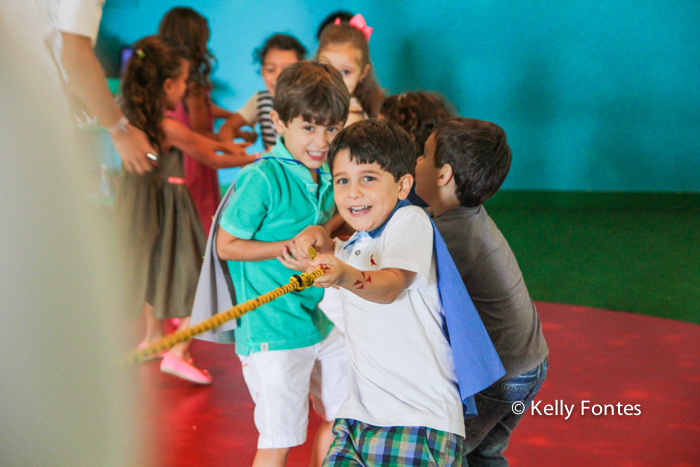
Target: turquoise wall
{"points": [[593, 95]]}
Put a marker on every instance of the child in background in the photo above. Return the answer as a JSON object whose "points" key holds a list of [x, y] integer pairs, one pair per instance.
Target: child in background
{"points": [[288, 348], [418, 113], [190, 30], [278, 52], [160, 233], [464, 164], [404, 406], [346, 47], [342, 15]]}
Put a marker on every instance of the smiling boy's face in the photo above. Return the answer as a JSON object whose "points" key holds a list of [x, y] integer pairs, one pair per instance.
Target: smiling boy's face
{"points": [[307, 142], [366, 194]]}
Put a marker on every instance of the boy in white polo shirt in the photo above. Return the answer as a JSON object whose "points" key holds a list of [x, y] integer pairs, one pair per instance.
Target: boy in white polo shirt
{"points": [[404, 405]]}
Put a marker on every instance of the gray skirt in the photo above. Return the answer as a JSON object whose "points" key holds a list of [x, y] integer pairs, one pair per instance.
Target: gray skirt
{"points": [[161, 240]]}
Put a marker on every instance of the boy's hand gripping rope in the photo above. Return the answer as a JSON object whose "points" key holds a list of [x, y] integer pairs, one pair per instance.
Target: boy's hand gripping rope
{"points": [[296, 282]]}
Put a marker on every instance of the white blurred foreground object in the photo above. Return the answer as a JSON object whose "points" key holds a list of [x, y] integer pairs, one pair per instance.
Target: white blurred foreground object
{"points": [[63, 399], [60, 34]]}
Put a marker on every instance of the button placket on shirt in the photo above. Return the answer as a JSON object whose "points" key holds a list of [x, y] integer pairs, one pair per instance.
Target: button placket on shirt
{"points": [[311, 189], [318, 200]]}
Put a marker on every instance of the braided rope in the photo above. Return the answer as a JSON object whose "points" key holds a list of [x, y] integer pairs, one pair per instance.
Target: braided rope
{"points": [[296, 282]]}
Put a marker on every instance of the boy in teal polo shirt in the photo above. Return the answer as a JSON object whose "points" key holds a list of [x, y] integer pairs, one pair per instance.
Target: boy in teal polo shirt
{"points": [[288, 342]]}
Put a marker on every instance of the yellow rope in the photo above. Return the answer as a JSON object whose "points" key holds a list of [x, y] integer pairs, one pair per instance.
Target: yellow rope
{"points": [[296, 282]]}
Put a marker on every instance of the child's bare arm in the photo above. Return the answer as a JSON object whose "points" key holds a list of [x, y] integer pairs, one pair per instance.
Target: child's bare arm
{"points": [[199, 114], [295, 253], [231, 129], [220, 112], [87, 81], [316, 236], [229, 247], [382, 286], [204, 149]]}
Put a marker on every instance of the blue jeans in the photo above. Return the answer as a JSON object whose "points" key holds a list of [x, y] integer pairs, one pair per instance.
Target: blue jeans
{"points": [[488, 433]]}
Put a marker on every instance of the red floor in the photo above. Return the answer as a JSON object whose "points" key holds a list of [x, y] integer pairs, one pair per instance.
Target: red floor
{"points": [[595, 355]]}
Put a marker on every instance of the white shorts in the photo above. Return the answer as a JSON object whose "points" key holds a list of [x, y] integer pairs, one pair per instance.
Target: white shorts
{"points": [[280, 382]]}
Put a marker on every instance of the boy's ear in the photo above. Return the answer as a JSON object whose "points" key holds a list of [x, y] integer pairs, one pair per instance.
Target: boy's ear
{"points": [[405, 184], [445, 175], [280, 127]]}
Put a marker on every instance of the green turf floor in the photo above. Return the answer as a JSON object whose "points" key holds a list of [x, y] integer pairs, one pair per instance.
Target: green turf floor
{"points": [[637, 252], [629, 252]]}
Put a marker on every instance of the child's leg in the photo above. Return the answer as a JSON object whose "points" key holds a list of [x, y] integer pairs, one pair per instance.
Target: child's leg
{"points": [[182, 349], [322, 441], [154, 326], [343, 451], [360, 444], [488, 433], [271, 457], [278, 382], [178, 362], [490, 451], [329, 389], [154, 331]]}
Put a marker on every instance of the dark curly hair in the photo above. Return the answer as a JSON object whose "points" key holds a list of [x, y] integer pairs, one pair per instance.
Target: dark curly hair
{"points": [[280, 41], [417, 112], [153, 61], [367, 91], [190, 30]]}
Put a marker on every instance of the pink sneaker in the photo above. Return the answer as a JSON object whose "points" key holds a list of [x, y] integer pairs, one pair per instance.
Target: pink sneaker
{"points": [[183, 369], [143, 344]]}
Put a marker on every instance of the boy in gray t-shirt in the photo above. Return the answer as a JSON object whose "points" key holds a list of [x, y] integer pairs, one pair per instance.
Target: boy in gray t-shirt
{"points": [[464, 163]]}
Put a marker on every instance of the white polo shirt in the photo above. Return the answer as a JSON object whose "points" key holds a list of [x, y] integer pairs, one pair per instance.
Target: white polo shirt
{"points": [[400, 366]]}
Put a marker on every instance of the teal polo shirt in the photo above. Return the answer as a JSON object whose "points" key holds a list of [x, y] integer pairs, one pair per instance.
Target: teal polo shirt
{"points": [[275, 199]]}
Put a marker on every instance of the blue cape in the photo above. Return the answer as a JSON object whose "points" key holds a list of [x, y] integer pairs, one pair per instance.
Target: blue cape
{"points": [[477, 364]]}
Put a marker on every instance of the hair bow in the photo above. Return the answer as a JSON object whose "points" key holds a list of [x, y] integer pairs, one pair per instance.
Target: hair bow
{"points": [[358, 22]]}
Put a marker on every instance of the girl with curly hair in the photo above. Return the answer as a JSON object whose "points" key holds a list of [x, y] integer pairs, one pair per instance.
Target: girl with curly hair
{"points": [[161, 235]]}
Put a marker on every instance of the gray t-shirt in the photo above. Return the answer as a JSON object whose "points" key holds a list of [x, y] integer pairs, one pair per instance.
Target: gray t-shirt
{"points": [[493, 279]]}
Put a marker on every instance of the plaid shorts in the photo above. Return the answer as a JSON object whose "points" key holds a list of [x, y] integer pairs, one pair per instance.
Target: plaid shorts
{"points": [[359, 444]]}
